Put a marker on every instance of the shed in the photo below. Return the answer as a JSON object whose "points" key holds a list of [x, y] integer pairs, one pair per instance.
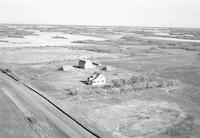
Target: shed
{"points": [[107, 68], [67, 67]]}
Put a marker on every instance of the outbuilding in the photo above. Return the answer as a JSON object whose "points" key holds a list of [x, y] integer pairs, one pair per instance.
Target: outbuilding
{"points": [[67, 68], [107, 68]]}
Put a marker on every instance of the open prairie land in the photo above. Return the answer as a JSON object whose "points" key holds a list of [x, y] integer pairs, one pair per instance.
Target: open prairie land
{"points": [[152, 91]]}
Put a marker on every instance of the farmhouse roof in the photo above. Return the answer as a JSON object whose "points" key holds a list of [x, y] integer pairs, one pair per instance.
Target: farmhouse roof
{"points": [[95, 75], [85, 60]]}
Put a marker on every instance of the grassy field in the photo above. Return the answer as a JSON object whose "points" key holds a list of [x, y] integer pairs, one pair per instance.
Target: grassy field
{"points": [[132, 103]]}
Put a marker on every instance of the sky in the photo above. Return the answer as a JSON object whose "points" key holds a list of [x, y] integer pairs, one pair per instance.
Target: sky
{"points": [[158, 13]]}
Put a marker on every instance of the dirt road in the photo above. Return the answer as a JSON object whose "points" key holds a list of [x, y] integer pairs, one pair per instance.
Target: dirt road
{"points": [[45, 117]]}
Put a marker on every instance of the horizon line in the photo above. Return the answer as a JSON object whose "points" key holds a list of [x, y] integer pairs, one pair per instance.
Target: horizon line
{"points": [[146, 26]]}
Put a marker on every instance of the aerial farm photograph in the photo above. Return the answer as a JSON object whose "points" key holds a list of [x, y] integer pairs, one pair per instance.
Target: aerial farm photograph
{"points": [[99, 69]]}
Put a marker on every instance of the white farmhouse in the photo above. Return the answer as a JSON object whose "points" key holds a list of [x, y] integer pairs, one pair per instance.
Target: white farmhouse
{"points": [[96, 79]]}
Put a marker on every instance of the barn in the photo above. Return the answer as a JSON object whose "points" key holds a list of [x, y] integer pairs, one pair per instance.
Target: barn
{"points": [[85, 64], [96, 79]]}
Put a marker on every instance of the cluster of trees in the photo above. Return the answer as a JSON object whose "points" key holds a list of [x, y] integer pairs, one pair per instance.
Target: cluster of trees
{"points": [[143, 82]]}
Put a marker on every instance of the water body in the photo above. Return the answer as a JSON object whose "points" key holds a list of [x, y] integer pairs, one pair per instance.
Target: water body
{"points": [[172, 39], [45, 39]]}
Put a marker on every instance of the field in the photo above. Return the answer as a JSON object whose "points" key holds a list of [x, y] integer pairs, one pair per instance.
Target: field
{"points": [[153, 90]]}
